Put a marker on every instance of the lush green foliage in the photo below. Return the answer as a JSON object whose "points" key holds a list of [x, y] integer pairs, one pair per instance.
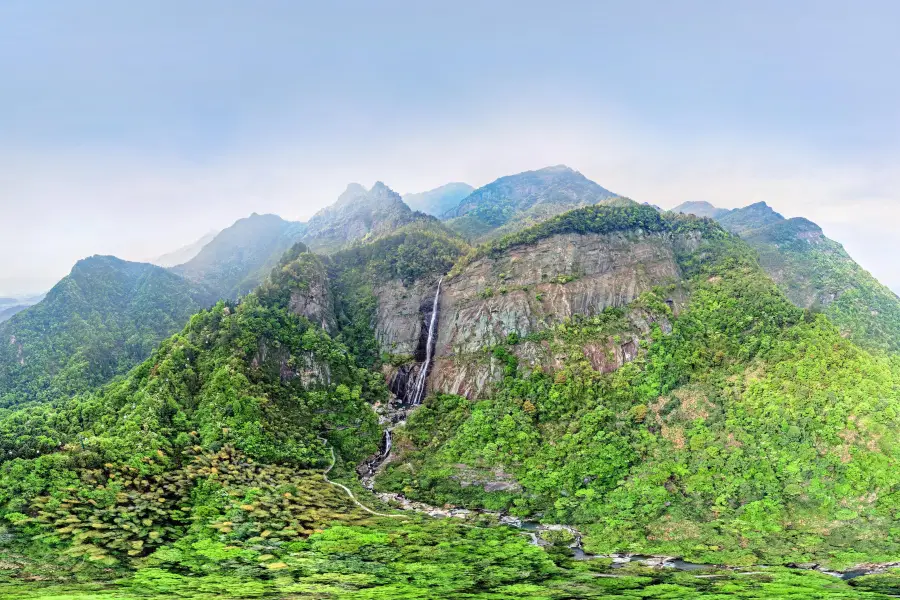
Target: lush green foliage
{"points": [[413, 252], [817, 272], [741, 430], [145, 461], [96, 323], [746, 435], [410, 253], [616, 217]]}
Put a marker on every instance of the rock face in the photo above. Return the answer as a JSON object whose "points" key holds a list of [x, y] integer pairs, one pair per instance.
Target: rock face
{"points": [[528, 289], [401, 314], [314, 301], [532, 287]]}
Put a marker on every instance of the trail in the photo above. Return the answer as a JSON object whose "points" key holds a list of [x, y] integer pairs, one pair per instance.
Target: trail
{"points": [[346, 489]]}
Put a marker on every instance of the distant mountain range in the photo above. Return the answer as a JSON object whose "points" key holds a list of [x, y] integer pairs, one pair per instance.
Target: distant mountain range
{"points": [[439, 201], [185, 253], [239, 258], [723, 388], [12, 306], [103, 299]]}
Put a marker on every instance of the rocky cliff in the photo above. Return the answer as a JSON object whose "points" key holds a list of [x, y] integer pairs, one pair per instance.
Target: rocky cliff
{"points": [[527, 289]]}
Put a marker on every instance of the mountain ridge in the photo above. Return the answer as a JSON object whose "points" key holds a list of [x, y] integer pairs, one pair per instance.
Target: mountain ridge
{"points": [[816, 272], [516, 201]]}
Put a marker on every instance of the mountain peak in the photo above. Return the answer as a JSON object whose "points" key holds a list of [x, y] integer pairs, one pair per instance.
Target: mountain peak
{"points": [[357, 213], [754, 216], [519, 200], [700, 208], [557, 169]]}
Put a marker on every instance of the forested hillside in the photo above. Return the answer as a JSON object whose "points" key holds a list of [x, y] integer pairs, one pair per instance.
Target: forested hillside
{"points": [[816, 272], [517, 201], [740, 431], [97, 322], [239, 258]]}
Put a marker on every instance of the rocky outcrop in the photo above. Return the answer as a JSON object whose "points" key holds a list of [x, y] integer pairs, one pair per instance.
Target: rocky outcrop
{"points": [[532, 287], [314, 300], [401, 314]]}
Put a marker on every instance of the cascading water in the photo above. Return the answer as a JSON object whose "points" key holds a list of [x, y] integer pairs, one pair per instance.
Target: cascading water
{"points": [[422, 379], [388, 441], [408, 394]]}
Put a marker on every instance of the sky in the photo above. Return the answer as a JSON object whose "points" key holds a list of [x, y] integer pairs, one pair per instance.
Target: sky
{"points": [[134, 128]]}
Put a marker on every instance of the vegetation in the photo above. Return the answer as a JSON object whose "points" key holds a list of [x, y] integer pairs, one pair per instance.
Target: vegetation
{"points": [[518, 201], [745, 436], [604, 218], [106, 316], [817, 273], [738, 429], [239, 258]]}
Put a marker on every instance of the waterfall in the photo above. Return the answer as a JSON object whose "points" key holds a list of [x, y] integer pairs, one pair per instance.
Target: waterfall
{"points": [[388, 441], [421, 380], [408, 395]]}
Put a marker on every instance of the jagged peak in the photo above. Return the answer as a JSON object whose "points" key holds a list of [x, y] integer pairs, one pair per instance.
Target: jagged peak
{"points": [[557, 169]]}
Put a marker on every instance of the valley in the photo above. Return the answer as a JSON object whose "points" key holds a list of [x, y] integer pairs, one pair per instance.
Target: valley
{"points": [[553, 392]]}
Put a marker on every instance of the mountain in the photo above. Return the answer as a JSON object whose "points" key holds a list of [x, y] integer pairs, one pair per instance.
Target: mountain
{"points": [[701, 209], [358, 214], [816, 272], [7, 312], [13, 306], [516, 201], [97, 322], [614, 379], [749, 218], [438, 201], [639, 376], [185, 253], [239, 258]]}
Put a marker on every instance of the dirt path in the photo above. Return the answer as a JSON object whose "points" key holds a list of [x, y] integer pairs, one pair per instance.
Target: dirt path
{"points": [[346, 489]]}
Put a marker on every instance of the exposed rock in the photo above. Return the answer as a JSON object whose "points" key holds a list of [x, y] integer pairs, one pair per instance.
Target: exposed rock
{"points": [[526, 290], [315, 301], [490, 480], [400, 314]]}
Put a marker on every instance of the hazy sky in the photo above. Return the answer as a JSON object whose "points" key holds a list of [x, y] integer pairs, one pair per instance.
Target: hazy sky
{"points": [[133, 128]]}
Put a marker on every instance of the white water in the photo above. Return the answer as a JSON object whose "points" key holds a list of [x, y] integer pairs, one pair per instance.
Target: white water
{"points": [[422, 379], [388, 441]]}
